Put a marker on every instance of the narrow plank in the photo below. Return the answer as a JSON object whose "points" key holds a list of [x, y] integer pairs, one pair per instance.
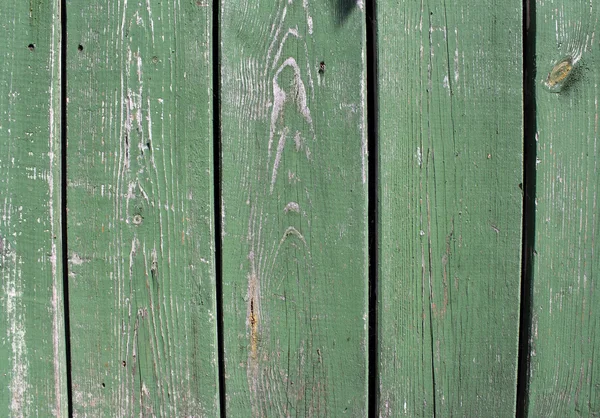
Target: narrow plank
{"points": [[564, 364], [140, 202], [32, 349], [450, 167], [294, 208]]}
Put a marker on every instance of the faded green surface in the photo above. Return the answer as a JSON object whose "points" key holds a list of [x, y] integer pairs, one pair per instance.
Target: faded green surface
{"points": [[450, 153], [32, 352], [565, 367], [140, 209], [294, 208]]}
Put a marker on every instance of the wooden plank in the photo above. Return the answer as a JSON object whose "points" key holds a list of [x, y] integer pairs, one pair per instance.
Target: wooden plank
{"points": [[564, 364], [294, 208], [32, 349], [140, 201], [450, 166]]}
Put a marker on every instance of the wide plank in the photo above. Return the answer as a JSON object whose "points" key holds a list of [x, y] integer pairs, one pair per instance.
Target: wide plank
{"points": [[294, 208], [450, 126], [32, 348], [140, 209], [564, 365]]}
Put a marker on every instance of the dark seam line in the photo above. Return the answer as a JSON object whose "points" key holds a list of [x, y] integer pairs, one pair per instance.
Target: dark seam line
{"points": [[529, 193], [63, 198], [216, 69], [429, 256], [373, 205]]}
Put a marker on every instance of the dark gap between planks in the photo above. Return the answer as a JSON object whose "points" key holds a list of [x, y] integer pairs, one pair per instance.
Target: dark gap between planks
{"points": [[529, 191], [63, 199], [216, 68], [373, 205]]}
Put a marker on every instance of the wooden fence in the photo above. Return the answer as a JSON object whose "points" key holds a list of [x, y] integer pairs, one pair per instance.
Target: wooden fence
{"points": [[299, 208]]}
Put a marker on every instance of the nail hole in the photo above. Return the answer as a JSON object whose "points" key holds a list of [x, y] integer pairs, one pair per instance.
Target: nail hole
{"points": [[124, 363], [103, 385], [322, 67], [31, 47], [137, 219], [80, 47]]}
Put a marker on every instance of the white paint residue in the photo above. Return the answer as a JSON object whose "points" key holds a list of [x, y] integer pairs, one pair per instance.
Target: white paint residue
{"points": [[274, 40], [123, 20], [298, 141], [279, 99], [57, 360], [291, 31], [75, 259], [150, 18], [288, 232], [19, 386], [291, 231], [134, 245], [292, 207], [309, 20], [280, 147], [419, 156], [456, 63], [363, 132], [139, 70], [445, 82]]}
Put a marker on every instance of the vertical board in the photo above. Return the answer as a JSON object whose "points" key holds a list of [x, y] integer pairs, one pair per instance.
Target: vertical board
{"points": [[294, 208], [450, 166], [140, 209], [32, 346], [564, 364]]}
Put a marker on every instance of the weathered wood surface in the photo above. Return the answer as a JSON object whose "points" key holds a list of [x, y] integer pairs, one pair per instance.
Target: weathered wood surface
{"points": [[450, 152], [294, 209], [32, 353], [140, 209], [564, 356]]}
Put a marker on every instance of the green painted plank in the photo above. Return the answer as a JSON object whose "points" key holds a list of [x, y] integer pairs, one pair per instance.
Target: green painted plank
{"points": [[294, 208], [32, 347], [140, 209], [564, 364], [450, 167]]}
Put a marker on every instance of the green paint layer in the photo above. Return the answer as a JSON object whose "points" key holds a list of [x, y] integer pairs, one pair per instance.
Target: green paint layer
{"points": [[294, 208], [564, 365], [32, 348], [140, 209], [450, 153]]}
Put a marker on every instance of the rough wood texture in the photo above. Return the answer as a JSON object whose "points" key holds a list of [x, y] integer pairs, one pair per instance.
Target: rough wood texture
{"points": [[565, 366], [140, 209], [450, 152], [32, 367], [294, 208]]}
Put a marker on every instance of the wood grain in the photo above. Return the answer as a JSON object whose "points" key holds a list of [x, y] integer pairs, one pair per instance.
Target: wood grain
{"points": [[140, 209], [294, 209], [32, 348], [564, 364], [450, 151]]}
